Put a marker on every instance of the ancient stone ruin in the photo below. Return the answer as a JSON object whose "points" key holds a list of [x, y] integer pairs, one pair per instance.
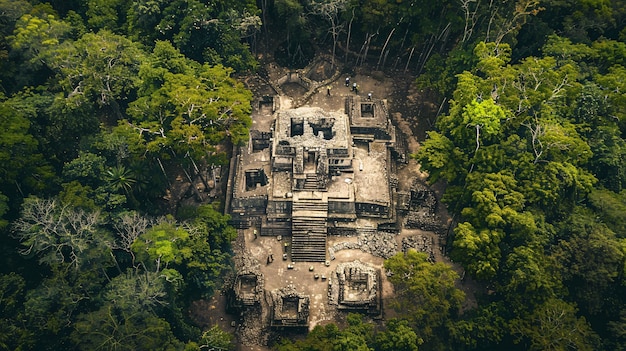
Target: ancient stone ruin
{"points": [[356, 288], [247, 289], [290, 308], [317, 169], [314, 182], [420, 208]]}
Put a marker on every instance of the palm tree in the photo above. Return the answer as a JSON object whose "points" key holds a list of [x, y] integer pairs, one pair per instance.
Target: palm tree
{"points": [[120, 178]]}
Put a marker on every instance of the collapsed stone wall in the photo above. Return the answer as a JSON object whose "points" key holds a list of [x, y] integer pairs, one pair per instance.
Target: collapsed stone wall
{"points": [[374, 242], [278, 318], [422, 211], [420, 243], [341, 292]]}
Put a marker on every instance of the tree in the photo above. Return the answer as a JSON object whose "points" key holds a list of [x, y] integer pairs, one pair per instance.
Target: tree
{"points": [[591, 260], [61, 235], [331, 10], [441, 158], [478, 249], [117, 329], [88, 168], [426, 294], [529, 278], [611, 208], [162, 245], [217, 339], [494, 211], [211, 33], [106, 14], [397, 337], [22, 167], [13, 333], [482, 328], [185, 110], [356, 336], [99, 69], [609, 154], [214, 226], [555, 326], [34, 35], [482, 116], [120, 178], [292, 14], [137, 291]]}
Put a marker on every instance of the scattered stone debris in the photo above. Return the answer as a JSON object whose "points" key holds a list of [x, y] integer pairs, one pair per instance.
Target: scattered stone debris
{"points": [[420, 243], [377, 243], [252, 330], [247, 290], [422, 207]]}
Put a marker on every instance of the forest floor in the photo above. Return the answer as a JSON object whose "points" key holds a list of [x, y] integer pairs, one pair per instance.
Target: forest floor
{"points": [[413, 113]]}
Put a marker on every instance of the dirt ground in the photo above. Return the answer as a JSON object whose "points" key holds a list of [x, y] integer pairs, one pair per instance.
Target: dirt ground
{"points": [[403, 100]]}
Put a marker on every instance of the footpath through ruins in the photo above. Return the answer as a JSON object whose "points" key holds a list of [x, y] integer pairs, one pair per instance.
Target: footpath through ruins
{"points": [[323, 192]]}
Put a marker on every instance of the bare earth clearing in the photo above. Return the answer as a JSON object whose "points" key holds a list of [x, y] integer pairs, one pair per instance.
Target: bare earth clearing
{"points": [[405, 105]]}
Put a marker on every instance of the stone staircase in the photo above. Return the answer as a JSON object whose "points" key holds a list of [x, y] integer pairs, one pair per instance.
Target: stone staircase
{"points": [[308, 230], [310, 182]]}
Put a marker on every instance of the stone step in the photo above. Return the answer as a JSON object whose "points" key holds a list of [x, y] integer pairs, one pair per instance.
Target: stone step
{"points": [[308, 228], [275, 231], [297, 206]]}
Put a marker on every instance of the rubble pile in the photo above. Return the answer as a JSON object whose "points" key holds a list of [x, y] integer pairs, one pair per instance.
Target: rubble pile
{"points": [[420, 243], [251, 331], [422, 197], [425, 220], [380, 244], [342, 246], [422, 209]]}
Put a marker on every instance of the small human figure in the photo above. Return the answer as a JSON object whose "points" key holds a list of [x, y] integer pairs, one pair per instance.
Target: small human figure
{"points": [[353, 86], [268, 260], [328, 90], [369, 96], [255, 234], [347, 81], [356, 89]]}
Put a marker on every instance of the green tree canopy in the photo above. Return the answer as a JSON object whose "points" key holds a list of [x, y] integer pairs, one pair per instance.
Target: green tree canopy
{"points": [[426, 295]]}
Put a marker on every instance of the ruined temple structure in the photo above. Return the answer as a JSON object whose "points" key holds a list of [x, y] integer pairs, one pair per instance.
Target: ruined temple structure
{"points": [[314, 171], [290, 309], [247, 289], [321, 194], [357, 288]]}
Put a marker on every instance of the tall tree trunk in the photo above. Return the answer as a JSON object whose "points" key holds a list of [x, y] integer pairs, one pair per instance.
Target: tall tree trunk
{"points": [[348, 39], [384, 47], [368, 41], [409, 60], [266, 36], [334, 26]]}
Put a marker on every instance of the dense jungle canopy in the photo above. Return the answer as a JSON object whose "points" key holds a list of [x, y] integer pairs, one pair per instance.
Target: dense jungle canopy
{"points": [[104, 103]]}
